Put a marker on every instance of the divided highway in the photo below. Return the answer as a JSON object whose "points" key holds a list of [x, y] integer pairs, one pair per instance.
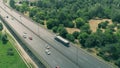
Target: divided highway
{"points": [[65, 57]]}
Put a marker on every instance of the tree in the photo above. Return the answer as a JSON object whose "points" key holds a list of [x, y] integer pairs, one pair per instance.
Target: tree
{"points": [[68, 23], [94, 40], [63, 32], [55, 28], [116, 18], [10, 52], [79, 22], [4, 39], [51, 23], [12, 3], [110, 51], [40, 15], [76, 34], [118, 62], [103, 24], [32, 12], [110, 36], [82, 38], [85, 28], [62, 16], [70, 37]]}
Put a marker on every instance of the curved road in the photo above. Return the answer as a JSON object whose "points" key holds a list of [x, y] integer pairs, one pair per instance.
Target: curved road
{"points": [[65, 57]]}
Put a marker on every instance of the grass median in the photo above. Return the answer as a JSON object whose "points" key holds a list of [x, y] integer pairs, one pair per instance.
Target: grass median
{"points": [[9, 57]]}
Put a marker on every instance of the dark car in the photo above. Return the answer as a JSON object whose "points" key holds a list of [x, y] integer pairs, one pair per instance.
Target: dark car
{"points": [[57, 67], [30, 38], [6, 16]]}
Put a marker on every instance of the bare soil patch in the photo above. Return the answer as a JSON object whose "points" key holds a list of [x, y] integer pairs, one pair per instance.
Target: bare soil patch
{"points": [[71, 30], [94, 23]]}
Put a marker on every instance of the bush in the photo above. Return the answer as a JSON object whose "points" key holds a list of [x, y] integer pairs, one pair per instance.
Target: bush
{"points": [[10, 52], [55, 29], [76, 34], [4, 39], [70, 37]]}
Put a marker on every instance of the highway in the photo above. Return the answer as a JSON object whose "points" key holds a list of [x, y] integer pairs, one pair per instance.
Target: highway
{"points": [[65, 57]]}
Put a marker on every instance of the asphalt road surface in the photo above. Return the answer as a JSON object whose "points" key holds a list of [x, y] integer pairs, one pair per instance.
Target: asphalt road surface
{"points": [[65, 57]]}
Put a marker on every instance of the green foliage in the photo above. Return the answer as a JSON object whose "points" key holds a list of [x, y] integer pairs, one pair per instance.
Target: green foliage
{"points": [[1, 27], [41, 22], [51, 23], [110, 51], [10, 52], [70, 37], [12, 3], [82, 38], [116, 18], [103, 24], [32, 12], [55, 28], [85, 28], [4, 39], [91, 41], [40, 15], [79, 22], [62, 31], [68, 23], [118, 62], [76, 34], [118, 26]]}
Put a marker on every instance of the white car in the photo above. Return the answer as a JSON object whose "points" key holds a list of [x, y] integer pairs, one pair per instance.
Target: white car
{"points": [[24, 34], [47, 47], [47, 52]]}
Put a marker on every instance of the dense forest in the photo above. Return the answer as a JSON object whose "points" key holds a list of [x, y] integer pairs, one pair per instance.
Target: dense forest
{"points": [[60, 14]]}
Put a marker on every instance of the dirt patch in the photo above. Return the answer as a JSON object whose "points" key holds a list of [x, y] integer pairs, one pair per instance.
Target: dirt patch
{"points": [[26, 14], [71, 30], [94, 23]]}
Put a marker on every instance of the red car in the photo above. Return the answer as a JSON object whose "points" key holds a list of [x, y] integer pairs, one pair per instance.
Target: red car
{"points": [[57, 67], [30, 38]]}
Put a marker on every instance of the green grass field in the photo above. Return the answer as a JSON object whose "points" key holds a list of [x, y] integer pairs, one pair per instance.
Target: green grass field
{"points": [[9, 57]]}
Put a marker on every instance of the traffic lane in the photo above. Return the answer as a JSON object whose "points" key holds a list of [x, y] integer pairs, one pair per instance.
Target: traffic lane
{"points": [[21, 32], [54, 58]]}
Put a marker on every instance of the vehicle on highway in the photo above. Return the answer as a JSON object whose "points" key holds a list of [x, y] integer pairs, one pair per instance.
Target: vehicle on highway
{"points": [[6, 16], [47, 52], [30, 38], [47, 47], [62, 40], [57, 67], [24, 34]]}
